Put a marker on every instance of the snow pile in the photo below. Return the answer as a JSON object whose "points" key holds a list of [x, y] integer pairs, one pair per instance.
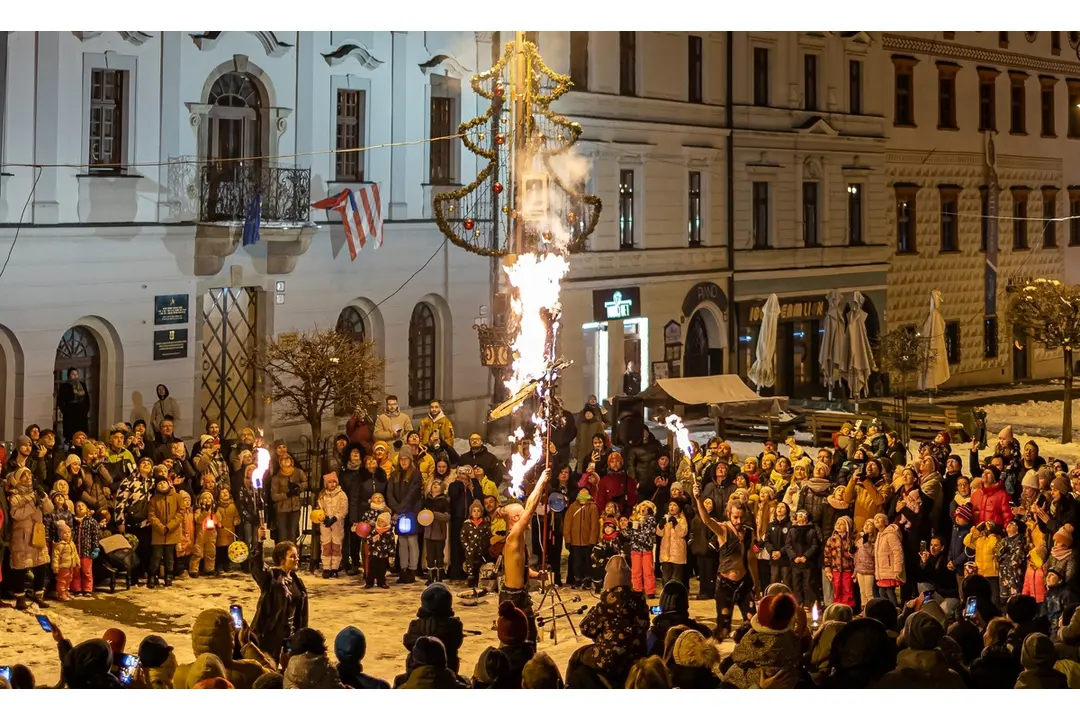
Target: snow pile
{"points": [[1036, 417]]}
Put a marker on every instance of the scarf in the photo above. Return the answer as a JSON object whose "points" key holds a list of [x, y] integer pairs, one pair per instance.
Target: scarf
{"points": [[1060, 553], [354, 465]]}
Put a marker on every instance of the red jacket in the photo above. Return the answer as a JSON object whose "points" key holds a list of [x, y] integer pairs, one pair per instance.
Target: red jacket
{"points": [[992, 504], [614, 487]]}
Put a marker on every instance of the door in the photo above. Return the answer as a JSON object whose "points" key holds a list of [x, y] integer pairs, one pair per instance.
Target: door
{"points": [[696, 360], [230, 343], [1021, 343], [78, 350], [234, 145]]}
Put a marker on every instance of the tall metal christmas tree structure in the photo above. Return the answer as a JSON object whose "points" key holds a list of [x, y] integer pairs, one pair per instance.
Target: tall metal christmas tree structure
{"points": [[528, 206]]}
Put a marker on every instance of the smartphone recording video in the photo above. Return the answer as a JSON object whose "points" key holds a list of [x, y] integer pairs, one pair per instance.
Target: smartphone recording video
{"points": [[129, 666], [237, 616], [970, 608], [654, 610], [43, 621]]}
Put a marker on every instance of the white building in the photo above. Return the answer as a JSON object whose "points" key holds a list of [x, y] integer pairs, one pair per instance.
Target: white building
{"points": [[97, 245]]}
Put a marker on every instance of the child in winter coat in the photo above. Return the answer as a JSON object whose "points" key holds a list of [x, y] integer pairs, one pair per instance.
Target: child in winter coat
{"points": [[840, 561], [227, 518], [1034, 579], [475, 534], [1058, 597], [206, 532], [381, 547], [86, 533], [609, 545], [983, 539], [959, 554], [435, 533], [672, 530], [65, 561], [802, 547], [165, 530], [775, 539], [581, 531], [335, 506], [1011, 556], [864, 563], [642, 540], [185, 549], [63, 511], [1062, 559]]}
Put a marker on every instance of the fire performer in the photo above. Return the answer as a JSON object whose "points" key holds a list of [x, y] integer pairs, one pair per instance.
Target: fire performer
{"points": [[515, 587]]}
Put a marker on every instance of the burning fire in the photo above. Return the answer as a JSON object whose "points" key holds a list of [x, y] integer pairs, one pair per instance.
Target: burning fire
{"points": [[674, 423], [262, 465], [537, 278]]}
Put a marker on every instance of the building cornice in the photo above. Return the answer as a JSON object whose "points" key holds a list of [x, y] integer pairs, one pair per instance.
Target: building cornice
{"points": [[937, 48], [1012, 162]]}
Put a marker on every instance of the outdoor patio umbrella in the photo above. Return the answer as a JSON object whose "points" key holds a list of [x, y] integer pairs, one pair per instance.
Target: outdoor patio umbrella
{"points": [[833, 354], [936, 369], [763, 372], [860, 357]]}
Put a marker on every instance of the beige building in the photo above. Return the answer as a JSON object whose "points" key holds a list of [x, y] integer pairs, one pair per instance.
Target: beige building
{"points": [[981, 124]]}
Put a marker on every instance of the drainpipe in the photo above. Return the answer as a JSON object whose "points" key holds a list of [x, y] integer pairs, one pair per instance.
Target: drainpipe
{"points": [[729, 108]]}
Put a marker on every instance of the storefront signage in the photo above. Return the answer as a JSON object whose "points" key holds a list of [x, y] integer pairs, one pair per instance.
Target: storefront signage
{"points": [[616, 304], [170, 344], [170, 309], [811, 309], [701, 293]]}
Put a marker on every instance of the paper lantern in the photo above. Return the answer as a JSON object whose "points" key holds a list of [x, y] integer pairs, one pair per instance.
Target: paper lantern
{"points": [[238, 552], [406, 525], [556, 502], [362, 529], [425, 518], [317, 516]]}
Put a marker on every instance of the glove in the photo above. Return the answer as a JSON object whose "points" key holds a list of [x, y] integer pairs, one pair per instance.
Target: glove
{"points": [[294, 490], [329, 522], [96, 552]]}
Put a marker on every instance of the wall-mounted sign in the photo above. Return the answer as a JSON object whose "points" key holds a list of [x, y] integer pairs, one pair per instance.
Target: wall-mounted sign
{"points": [[170, 344], [673, 333], [704, 292], [616, 304], [170, 309], [799, 309]]}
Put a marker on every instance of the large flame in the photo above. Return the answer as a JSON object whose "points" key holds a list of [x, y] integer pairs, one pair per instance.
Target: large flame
{"points": [[674, 423], [537, 278], [262, 465]]}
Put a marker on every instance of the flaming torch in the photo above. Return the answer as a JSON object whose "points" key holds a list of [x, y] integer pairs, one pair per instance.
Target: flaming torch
{"points": [[258, 475]]}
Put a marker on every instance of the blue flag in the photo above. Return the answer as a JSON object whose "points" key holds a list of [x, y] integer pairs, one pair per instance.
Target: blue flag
{"points": [[252, 221]]}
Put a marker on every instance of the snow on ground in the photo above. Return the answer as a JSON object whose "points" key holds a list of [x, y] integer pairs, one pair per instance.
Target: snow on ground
{"points": [[383, 615], [1036, 417]]}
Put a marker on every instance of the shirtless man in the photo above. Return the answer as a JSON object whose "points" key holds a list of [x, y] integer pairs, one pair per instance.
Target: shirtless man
{"points": [[737, 573], [515, 586]]}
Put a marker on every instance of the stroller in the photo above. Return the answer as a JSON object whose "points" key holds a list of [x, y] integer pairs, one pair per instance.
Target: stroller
{"points": [[117, 560]]}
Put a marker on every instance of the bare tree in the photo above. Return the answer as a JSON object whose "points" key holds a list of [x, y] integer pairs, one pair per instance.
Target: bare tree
{"points": [[902, 354], [311, 375], [1048, 312]]}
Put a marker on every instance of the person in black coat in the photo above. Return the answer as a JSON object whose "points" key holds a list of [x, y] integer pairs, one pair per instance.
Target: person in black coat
{"points": [[283, 599], [563, 434], [404, 495], [640, 461], [351, 480], [436, 618], [73, 401], [674, 610], [462, 490], [479, 455]]}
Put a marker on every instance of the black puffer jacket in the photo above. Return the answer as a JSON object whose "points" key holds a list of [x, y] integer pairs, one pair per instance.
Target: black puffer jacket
{"points": [[776, 539], [405, 495], [640, 461], [370, 483], [813, 498]]}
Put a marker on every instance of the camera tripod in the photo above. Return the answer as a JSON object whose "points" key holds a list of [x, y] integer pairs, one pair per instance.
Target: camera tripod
{"points": [[552, 606]]}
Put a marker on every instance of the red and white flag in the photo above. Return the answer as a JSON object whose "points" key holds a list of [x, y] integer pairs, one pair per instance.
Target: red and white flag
{"points": [[359, 226]]}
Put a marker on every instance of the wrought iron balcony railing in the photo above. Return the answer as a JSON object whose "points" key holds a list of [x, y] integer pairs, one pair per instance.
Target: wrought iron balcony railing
{"points": [[226, 191]]}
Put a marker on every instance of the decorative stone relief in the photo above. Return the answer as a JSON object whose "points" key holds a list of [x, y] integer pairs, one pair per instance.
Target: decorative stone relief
{"points": [[456, 69], [135, 37], [355, 51], [270, 42]]}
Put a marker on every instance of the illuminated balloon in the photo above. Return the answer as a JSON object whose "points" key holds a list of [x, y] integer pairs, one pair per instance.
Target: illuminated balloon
{"points": [[556, 502], [362, 529], [317, 516], [425, 518], [238, 552]]}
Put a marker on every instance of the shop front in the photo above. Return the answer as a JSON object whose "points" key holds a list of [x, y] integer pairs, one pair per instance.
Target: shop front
{"points": [[617, 318]]}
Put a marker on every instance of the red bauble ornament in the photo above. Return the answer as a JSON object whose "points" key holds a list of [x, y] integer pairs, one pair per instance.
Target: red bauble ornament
{"points": [[469, 223], [547, 236], [500, 90], [571, 216], [500, 139], [497, 187]]}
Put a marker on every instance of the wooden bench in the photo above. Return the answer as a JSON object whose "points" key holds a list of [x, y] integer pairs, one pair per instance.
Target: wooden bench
{"points": [[757, 428], [823, 425], [925, 423]]}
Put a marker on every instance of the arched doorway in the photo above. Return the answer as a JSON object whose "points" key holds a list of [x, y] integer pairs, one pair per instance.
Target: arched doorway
{"points": [[351, 323], [78, 350], [235, 139], [700, 357]]}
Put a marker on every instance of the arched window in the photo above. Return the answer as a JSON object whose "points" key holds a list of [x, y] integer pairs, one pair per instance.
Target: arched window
{"points": [[78, 350], [422, 355], [351, 322], [235, 90]]}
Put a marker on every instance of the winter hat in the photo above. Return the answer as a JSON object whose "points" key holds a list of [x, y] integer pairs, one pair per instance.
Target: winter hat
{"points": [[307, 640], [616, 573], [863, 645], [691, 649], [994, 472], [206, 441], [1038, 653], [61, 527], [269, 681], [964, 512], [677, 485], [476, 505], [776, 589], [610, 520], [87, 665], [838, 612], [1061, 484], [72, 459], [775, 613], [205, 667], [675, 598], [1005, 431], [153, 651], [882, 610], [1064, 536], [350, 645], [1022, 609], [512, 626], [429, 650], [23, 440], [613, 455], [541, 673], [60, 486], [491, 666], [935, 610], [923, 631], [436, 601], [117, 640], [1030, 480], [406, 451]]}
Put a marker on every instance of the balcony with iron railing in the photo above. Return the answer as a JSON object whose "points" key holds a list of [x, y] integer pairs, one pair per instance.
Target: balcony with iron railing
{"points": [[226, 193], [227, 190]]}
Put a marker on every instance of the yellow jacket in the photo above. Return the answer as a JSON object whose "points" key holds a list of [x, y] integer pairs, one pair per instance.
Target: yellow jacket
{"points": [[867, 500], [65, 555], [442, 424], [426, 465], [1037, 541], [984, 547]]}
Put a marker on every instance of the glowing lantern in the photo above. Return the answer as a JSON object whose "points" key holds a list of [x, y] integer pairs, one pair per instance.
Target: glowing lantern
{"points": [[425, 518], [406, 524], [317, 516]]}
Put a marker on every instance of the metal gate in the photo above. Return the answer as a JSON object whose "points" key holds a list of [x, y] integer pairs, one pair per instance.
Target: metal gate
{"points": [[230, 337]]}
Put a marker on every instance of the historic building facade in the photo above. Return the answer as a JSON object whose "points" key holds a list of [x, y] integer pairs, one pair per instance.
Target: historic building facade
{"points": [[128, 263], [981, 125]]}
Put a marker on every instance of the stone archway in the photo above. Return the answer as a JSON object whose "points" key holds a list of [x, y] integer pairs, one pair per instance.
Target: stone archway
{"points": [[11, 385], [92, 346], [77, 353], [705, 342]]}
